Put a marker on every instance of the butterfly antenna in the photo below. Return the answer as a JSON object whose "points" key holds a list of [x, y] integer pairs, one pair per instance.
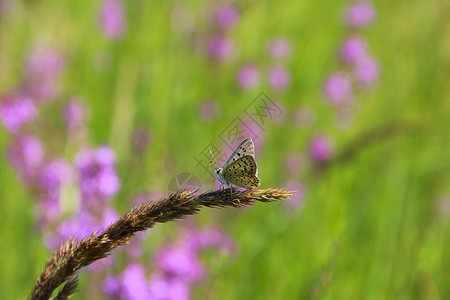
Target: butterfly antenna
{"points": [[214, 158]]}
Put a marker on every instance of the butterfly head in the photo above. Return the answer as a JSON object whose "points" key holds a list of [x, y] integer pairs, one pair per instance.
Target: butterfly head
{"points": [[218, 171]]}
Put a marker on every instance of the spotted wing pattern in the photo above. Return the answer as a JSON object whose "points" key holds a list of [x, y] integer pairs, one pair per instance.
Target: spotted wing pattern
{"points": [[246, 147], [242, 172]]}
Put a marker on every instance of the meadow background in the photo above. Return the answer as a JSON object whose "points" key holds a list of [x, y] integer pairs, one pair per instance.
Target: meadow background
{"points": [[103, 103]]}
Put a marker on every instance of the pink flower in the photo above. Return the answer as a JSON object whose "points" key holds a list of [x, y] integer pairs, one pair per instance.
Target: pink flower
{"points": [[279, 78], [134, 283], [248, 77], [227, 16], [16, 111], [168, 288], [74, 114], [181, 261], [98, 177], [367, 72], [353, 50], [338, 89], [26, 154], [220, 48], [360, 14], [320, 149], [279, 48], [44, 68], [112, 19]]}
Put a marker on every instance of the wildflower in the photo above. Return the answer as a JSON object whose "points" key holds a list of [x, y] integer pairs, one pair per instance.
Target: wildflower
{"points": [[248, 77], [359, 14]]}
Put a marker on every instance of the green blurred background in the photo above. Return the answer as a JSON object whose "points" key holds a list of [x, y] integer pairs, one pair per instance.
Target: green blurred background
{"points": [[373, 224]]}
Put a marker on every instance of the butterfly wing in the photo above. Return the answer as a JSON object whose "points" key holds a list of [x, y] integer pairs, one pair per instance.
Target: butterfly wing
{"points": [[242, 172], [244, 148]]}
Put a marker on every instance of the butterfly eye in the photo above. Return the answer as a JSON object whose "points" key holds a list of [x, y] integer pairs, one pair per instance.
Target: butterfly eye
{"points": [[217, 171]]}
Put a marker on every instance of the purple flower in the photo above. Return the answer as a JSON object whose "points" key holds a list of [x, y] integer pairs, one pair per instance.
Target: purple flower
{"points": [[44, 63], [54, 174], [359, 14], [208, 110], [227, 16], [367, 72], [320, 149], [180, 261], [26, 154], [98, 177], [168, 288], [74, 114], [353, 50], [44, 67], [112, 19], [112, 286], [86, 221], [15, 111], [338, 89], [297, 200], [220, 48], [211, 238], [248, 77], [134, 283], [279, 48], [279, 78]]}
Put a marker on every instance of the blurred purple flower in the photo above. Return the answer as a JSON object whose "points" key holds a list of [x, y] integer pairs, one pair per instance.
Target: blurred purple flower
{"points": [[211, 238], [367, 72], [44, 68], [180, 261], [296, 201], [304, 117], [338, 89], [84, 223], [98, 177], [134, 283], [353, 49], [167, 288], [227, 16], [208, 110], [360, 14], [320, 149], [15, 111], [74, 114], [220, 48], [279, 48], [112, 286], [248, 77], [112, 19], [44, 63], [54, 174], [26, 154], [279, 78]]}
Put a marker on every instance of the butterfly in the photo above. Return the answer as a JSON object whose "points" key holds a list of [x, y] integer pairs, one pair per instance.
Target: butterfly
{"points": [[240, 169]]}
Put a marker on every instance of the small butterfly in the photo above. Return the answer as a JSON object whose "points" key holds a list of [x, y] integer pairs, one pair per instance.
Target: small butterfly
{"points": [[240, 169]]}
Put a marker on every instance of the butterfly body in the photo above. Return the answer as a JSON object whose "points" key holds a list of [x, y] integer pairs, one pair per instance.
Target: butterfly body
{"points": [[240, 169]]}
